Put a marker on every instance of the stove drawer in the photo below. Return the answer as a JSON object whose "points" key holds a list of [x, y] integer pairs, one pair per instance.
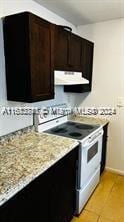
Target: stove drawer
{"points": [[82, 195]]}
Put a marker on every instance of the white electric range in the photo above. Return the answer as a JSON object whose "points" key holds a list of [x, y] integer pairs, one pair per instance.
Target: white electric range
{"points": [[89, 156]]}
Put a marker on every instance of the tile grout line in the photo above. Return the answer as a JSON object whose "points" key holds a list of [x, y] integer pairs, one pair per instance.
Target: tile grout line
{"points": [[106, 198], [99, 215], [92, 212], [109, 194], [115, 182], [98, 218]]}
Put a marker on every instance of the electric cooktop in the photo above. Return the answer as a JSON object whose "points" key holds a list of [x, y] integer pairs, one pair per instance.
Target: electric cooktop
{"points": [[73, 130]]}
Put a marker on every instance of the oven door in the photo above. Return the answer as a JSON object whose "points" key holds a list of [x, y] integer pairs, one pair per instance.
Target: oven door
{"points": [[89, 160]]}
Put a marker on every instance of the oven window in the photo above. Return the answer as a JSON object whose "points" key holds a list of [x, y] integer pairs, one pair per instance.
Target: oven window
{"points": [[92, 152]]}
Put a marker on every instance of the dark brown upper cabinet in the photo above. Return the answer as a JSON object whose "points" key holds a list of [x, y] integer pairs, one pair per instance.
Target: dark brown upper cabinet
{"points": [[86, 68], [67, 50], [61, 48], [29, 57], [75, 52], [87, 61]]}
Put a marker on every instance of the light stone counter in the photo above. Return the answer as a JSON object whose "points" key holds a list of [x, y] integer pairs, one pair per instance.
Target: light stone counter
{"points": [[89, 120], [27, 156]]}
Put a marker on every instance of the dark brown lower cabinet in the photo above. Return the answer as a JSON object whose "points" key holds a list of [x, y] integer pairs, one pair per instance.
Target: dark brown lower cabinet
{"points": [[104, 147], [49, 198]]}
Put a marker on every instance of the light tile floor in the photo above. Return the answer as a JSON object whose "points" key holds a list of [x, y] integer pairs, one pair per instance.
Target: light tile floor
{"points": [[107, 202]]}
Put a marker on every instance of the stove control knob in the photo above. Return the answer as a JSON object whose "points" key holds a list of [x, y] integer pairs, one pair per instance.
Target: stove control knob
{"points": [[90, 140]]}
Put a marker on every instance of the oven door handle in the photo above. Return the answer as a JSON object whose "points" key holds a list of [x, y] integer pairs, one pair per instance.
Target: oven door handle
{"points": [[93, 140]]}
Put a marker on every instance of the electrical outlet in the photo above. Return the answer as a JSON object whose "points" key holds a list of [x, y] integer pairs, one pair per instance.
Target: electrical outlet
{"points": [[120, 102]]}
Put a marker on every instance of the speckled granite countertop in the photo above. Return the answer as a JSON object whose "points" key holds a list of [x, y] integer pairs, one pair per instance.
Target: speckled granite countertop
{"points": [[89, 120], [26, 156]]}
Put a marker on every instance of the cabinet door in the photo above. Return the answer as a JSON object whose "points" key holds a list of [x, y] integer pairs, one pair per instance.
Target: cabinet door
{"points": [[41, 55], [16, 45], [29, 58], [30, 204], [61, 48], [68, 49], [63, 189], [87, 61], [75, 51], [86, 67]]}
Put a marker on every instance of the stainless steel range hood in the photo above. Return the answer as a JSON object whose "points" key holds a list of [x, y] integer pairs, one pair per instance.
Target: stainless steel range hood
{"points": [[69, 78]]}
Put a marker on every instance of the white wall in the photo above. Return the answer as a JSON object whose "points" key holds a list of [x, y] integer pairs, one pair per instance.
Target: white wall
{"points": [[108, 82], [14, 6], [11, 123]]}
